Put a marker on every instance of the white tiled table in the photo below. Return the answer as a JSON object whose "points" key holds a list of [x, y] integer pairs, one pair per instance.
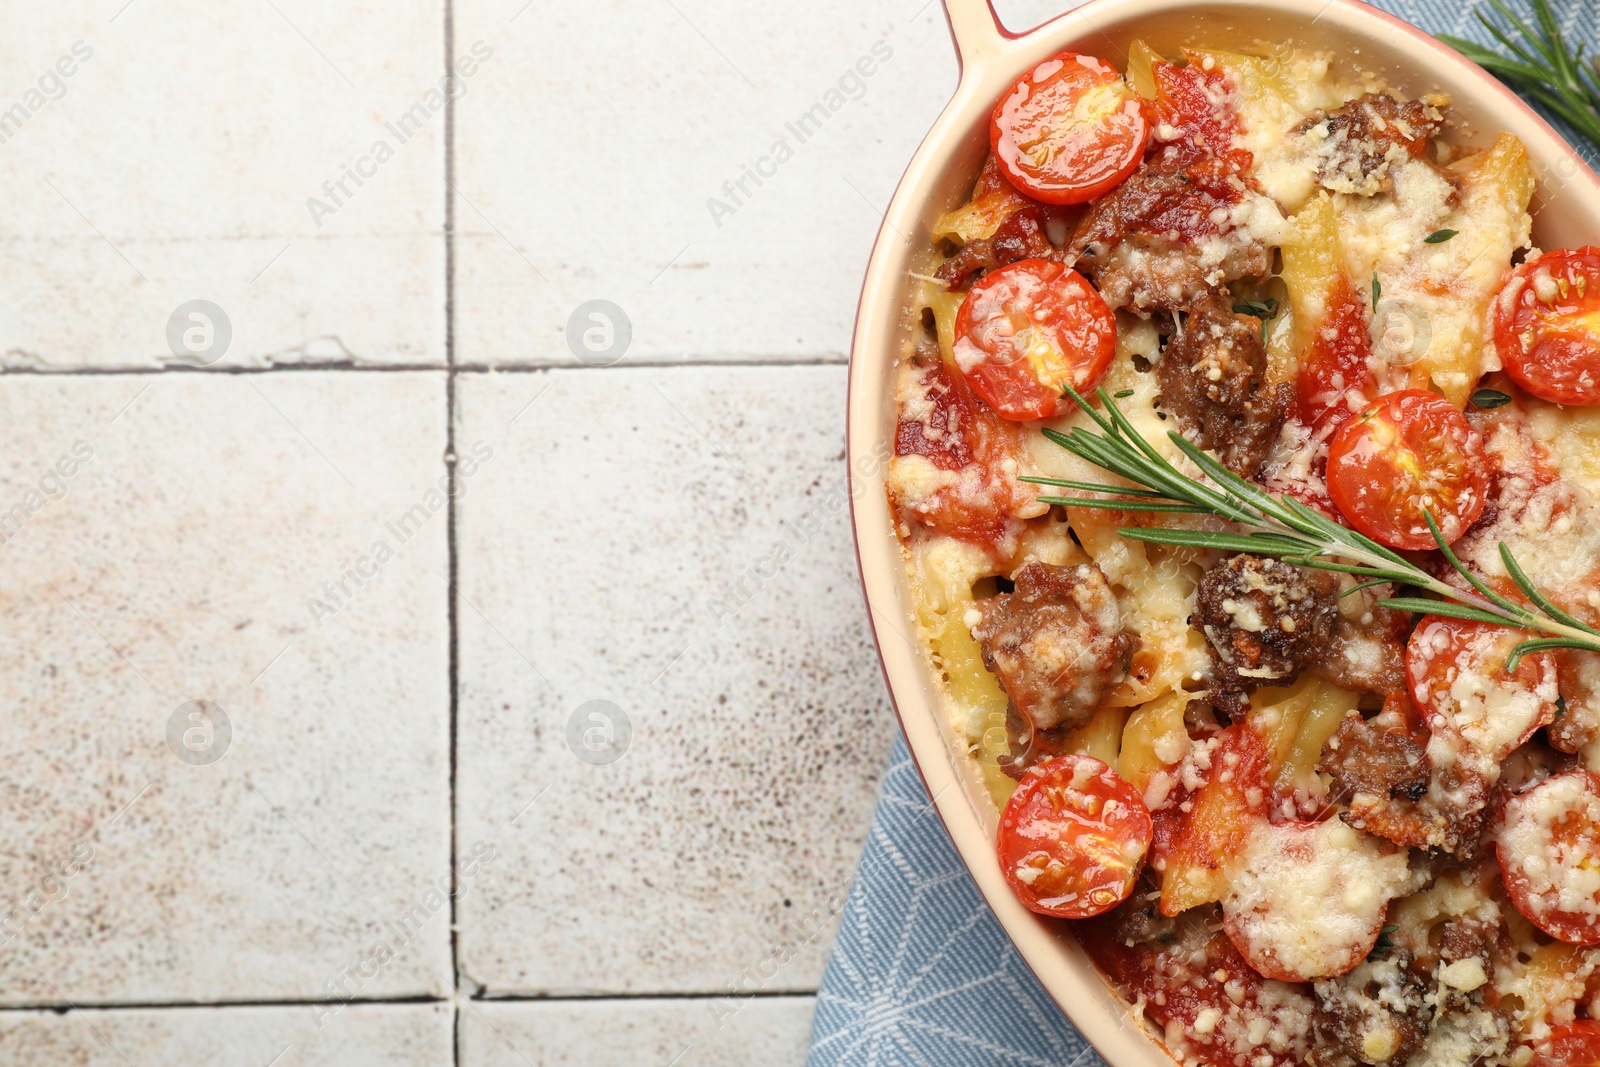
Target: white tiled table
{"points": [[405, 678]]}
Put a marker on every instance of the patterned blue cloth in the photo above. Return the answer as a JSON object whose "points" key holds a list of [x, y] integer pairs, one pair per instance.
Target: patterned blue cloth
{"points": [[922, 974]]}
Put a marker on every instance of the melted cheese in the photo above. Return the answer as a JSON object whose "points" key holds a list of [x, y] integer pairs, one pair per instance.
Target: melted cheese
{"points": [[1311, 899], [1562, 868]]}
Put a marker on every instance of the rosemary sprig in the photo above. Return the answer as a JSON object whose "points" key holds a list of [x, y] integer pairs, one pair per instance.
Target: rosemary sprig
{"points": [[1283, 527], [1541, 64]]}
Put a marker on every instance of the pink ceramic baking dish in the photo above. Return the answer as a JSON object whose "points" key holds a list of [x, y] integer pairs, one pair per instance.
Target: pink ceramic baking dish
{"points": [[1566, 213]]}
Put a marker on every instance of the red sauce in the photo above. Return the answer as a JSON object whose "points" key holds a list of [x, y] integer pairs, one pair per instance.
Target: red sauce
{"points": [[1201, 972], [1336, 378], [1193, 102], [964, 435]]}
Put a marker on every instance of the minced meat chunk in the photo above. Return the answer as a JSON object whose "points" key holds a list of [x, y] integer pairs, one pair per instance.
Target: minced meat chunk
{"points": [[1055, 643], [1363, 142], [1213, 376], [1162, 241], [1375, 1014], [1021, 236], [1381, 769], [1264, 619]]}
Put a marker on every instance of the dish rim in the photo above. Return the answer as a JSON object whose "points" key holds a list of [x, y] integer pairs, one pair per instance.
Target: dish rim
{"points": [[986, 52]]}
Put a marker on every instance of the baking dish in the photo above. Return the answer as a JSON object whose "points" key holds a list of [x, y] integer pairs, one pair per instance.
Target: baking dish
{"points": [[1566, 211]]}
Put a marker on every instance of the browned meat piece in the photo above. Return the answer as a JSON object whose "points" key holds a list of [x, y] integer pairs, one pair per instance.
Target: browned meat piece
{"points": [[1368, 650], [1028, 745], [1138, 920], [1362, 660], [1579, 721], [1362, 142], [1213, 376], [1020, 236], [1056, 643], [1371, 761], [1381, 769], [1155, 242], [1264, 619], [1375, 1014]]}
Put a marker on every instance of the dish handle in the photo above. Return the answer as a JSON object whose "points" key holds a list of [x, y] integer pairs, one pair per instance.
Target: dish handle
{"points": [[978, 33]]}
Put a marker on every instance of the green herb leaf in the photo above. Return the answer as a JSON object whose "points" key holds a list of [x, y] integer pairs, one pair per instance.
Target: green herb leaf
{"points": [[1385, 942], [1542, 645], [1439, 237], [1489, 399], [1088, 487], [1142, 504], [1281, 526], [1261, 309], [1444, 607], [1541, 64], [1363, 585], [1123, 394], [1377, 290]]}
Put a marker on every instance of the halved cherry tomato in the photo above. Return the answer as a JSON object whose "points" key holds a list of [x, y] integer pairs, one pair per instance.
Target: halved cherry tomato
{"points": [[1457, 674], [1073, 837], [1548, 844], [1069, 130], [1547, 326], [1408, 453], [1575, 1044], [1028, 330]]}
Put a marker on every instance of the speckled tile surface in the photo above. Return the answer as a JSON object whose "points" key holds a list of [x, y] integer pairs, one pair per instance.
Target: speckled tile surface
{"points": [[184, 158], [167, 540], [363, 1035], [720, 177], [672, 722], [628, 1033], [228, 771]]}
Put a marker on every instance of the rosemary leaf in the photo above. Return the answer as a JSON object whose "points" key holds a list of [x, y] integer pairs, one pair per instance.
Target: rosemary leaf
{"points": [[1541, 64], [1477, 583], [1445, 607], [1439, 237], [1223, 542], [1087, 487], [1281, 526], [1532, 593], [1543, 644], [1124, 505], [1363, 585]]}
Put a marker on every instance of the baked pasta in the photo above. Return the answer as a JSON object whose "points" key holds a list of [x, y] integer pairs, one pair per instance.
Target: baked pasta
{"points": [[1290, 824]]}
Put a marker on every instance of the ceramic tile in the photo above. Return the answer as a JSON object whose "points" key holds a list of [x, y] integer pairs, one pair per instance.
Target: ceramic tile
{"points": [[626, 1033], [719, 177], [159, 152], [225, 756], [672, 721], [390, 1035]]}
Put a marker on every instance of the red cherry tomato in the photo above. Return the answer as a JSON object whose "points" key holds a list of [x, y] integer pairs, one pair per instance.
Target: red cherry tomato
{"points": [[1548, 844], [1547, 326], [1068, 130], [1408, 453], [1574, 1044], [1457, 674], [1073, 837], [1028, 330]]}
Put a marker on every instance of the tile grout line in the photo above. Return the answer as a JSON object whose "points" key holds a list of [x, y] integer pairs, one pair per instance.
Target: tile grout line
{"points": [[451, 606], [452, 1001], [451, 364]]}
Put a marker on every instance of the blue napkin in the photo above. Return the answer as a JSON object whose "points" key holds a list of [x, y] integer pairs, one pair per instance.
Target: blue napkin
{"points": [[922, 973]]}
